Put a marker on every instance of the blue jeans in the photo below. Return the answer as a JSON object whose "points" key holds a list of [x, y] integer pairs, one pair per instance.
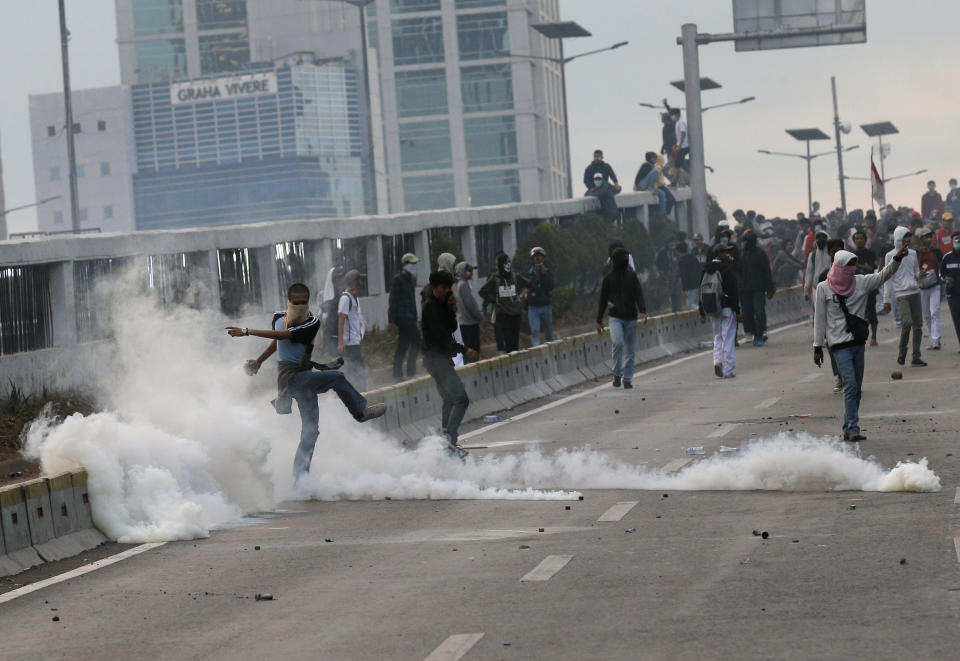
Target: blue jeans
{"points": [[850, 368], [305, 386], [667, 200], [541, 316], [623, 333]]}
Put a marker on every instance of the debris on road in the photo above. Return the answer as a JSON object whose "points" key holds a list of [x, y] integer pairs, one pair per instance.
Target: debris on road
{"points": [[566, 507], [263, 596], [630, 530], [524, 547], [616, 411], [256, 548], [903, 561], [491, 418], [896, 375], [328, 540], [55, 618], [852, 507], [695, 450], [764, 534], [540, 530], [727, 448]]}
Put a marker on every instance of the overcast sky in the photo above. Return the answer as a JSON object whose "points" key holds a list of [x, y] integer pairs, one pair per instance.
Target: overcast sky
{"points": [[904, 74]]}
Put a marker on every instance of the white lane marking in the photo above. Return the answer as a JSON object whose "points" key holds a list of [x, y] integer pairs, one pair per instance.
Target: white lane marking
{"points": [[618, 511], [547, 568], [501, 444], [674, 465], [907, 414], [79, 571], [767, 403], [956, 497], [891, 340], [723, 429], [810, 377], [956, 547], [570, 398], [454, 647]]}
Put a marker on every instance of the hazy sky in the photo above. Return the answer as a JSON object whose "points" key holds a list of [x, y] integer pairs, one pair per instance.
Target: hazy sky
{"points": [[903, 74]]}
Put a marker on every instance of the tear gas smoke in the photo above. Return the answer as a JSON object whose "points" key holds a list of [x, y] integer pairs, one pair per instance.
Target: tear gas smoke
{"points": [[188, 442]]}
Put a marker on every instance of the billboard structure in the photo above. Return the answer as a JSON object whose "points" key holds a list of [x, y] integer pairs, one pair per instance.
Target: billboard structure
{"points": [[772, 24]]}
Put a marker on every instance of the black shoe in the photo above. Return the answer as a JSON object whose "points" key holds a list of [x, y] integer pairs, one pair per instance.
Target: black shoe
{"points": [[616, 382], [901, 361], [627, 385], [718, 370], [916, 362], [853, 436]]}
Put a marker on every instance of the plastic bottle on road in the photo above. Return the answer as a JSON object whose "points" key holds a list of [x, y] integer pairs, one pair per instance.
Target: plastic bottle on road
{"points": [[697, 450]]}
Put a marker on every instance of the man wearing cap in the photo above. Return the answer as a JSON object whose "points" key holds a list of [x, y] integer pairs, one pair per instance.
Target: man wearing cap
{"points": [[350, 330], [402, 316], [469, 314], [539, 310], [841, 293]]}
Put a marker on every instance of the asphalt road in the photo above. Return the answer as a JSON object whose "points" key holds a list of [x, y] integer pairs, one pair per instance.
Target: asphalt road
{"points": [[667, 575]]}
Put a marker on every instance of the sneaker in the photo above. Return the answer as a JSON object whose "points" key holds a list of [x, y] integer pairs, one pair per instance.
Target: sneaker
{"points": [[372, 411], [616, 382], [718, 370], [838, 386], [901, 360], [731, 375], [853, 436], [627, 385], [916, 362], [934, 347], [873, 342]]}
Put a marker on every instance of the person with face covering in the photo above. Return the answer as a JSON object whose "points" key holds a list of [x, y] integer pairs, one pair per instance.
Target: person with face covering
{"points": [[292, 333], [503, 290], [469, 314], [726, 318], [756, 286], [817, 261], [903, 290], [402, 316], [845, 293], [621, 296]]}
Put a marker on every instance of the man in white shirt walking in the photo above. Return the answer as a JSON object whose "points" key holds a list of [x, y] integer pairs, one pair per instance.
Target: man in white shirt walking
{"points": [[351, 329], [903, 291]]}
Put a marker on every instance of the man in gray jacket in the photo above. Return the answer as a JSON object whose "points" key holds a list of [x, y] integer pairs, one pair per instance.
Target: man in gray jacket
{"points": [[842, 293], [469, 314], [905, 289]]}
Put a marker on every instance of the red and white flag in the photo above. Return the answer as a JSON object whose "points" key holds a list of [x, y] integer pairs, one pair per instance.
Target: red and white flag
{"points": [[876, 185]]}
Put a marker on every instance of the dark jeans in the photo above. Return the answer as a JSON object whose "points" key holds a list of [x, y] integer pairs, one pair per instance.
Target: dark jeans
{"points": [[911, 314], [305, 386], [407, 344], [954, 303], [683, 159], [754, 304], [452, 392], [471, 338], [510, 328], [353, 367]]}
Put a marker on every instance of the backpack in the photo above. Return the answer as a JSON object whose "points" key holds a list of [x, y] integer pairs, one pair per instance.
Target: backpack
{"points": [[331, 321], [711, 289]]}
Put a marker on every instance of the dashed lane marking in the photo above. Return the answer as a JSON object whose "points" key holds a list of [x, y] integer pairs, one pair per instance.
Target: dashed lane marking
{"points": [[79, 571], [547, 568], [767, 403], [810, 377], [956, 547], [956, 497], [723, 429], [618, 511], [674, 465], [454, 647]]}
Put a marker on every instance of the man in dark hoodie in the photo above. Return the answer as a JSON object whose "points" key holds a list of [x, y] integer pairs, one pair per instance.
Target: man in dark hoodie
{"points": [[622, 297], [438, 322], [402, 316], [720, 298], [502, 290], [756, 286], [539, 310]]}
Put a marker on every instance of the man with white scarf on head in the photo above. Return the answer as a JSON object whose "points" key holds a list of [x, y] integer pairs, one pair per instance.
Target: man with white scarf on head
{"points": [[845, 293]]}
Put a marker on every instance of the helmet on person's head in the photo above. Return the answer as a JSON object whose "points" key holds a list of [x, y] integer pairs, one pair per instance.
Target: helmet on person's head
{"points": [[537, 250]]}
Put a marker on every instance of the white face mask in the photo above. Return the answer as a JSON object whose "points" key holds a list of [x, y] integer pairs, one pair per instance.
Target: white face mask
{"points": [[296, 314], [507, 267], [724, 240], [411, 269]]}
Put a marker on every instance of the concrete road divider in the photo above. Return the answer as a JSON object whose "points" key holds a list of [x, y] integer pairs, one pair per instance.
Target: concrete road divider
{"points": [[18, 551]]}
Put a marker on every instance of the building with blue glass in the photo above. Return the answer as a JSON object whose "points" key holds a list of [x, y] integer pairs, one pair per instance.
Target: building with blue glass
{"points": [[275, 142]]}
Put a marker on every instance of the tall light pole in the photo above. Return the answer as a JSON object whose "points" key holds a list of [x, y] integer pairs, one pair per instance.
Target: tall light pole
{"points": [[807, 157], [561, 31], [68, 111], [878, 130], [837, 128], [698, 176], [706, 108]]}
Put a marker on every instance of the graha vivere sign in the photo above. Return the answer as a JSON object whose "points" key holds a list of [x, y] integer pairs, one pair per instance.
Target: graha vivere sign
{"points": [[222, 89]]}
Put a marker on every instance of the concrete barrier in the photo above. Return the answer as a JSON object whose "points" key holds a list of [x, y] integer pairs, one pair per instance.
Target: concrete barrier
{"points": [[45, 519]]}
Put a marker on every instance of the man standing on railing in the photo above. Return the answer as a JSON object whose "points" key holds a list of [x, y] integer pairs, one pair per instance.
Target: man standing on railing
{"points": [[402, 316], [621, 296]]}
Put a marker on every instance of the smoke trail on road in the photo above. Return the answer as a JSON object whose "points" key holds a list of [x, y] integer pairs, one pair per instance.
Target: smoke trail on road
{"points": [[187, 442]]}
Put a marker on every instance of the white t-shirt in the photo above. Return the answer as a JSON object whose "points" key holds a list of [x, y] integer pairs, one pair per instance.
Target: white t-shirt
{"points": [[681, 128], [353, 327]]}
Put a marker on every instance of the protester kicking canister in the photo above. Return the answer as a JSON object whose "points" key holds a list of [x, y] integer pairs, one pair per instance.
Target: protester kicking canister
{"points": [[292, 334], [839, 324]]}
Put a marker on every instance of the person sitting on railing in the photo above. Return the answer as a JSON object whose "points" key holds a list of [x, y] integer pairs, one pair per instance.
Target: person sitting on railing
{"points": [[597, 178], [650, 177]]}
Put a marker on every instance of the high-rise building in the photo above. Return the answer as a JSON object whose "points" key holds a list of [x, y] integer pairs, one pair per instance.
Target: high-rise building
{"points": [[467, 119], [103, 135]]}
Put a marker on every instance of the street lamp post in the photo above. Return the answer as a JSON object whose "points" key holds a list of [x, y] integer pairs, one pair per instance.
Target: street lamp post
{"points": [[878, 130], [68, 112], [561, 31], [807, 157], [705, 108]]}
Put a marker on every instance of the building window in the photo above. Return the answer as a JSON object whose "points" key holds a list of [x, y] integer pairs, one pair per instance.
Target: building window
{"points": [[54, 174], [224, 52], [491, 140], [220, 14], [433, 192], [157, 17], [496, 187], [101, 125], [58, 218], [105, 169], [421, 93], [483, 36], [76, 128], [161, 60], [83, 215], [487, 87], [51, 131], [417, 40], [425, 146], [404, 6], [473, 4], [81, 172], [108, 212]]}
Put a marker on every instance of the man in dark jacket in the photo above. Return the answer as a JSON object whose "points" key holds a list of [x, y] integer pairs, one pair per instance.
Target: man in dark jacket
{"points": [[598, 166], [438, 324], [539, 311], [502, 290], [621, 296], [690, 272], [756, 285], [727, 312], [402, 316], [669, 133], [950, 272]]}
